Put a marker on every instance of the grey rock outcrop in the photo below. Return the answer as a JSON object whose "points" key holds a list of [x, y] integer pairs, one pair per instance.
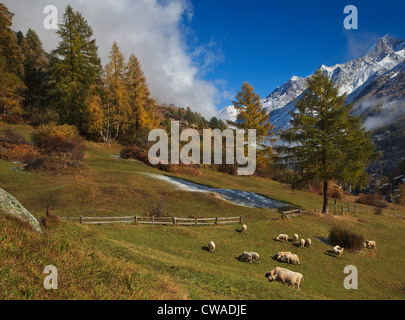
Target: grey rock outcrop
{"points": [[11, 206]]}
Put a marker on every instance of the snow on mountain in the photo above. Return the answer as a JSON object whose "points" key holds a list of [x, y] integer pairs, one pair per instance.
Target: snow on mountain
{"points": [[385, 58]]}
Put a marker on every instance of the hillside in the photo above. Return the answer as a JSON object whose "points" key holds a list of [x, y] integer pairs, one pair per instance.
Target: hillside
{"points": [[155, 262]]}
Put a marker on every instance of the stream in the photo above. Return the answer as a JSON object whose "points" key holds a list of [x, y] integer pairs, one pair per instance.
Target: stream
{"points": [[241, 198]]}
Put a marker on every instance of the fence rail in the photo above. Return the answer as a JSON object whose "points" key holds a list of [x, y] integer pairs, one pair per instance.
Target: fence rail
{"points": [[157, 220]]}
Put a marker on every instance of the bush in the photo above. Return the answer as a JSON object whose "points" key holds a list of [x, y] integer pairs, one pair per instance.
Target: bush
{"points": [[9, 136], [11, 118], [61, 148], [373, 199], [336, 194], [346, 238], [378, 211]]}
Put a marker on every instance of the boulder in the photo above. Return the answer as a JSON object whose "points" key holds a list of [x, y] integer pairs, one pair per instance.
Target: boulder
{"points": [[11, 206]]}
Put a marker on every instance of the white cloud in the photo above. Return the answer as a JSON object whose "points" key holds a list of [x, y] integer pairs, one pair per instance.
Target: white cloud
{"points": [[151, 29]]}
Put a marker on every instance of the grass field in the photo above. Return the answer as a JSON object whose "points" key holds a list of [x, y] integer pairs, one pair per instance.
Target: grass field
{"points": [[155, 262]]}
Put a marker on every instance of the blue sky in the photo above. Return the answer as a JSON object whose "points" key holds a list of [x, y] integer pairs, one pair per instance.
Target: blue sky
{"points": [[266, 42]]}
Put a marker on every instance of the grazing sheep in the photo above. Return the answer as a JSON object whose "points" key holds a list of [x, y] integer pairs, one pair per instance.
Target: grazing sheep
{"points": [[292, 259], [211, 246], [308, 243], [302, 243], [280, 256], [338, 251], [371, 244], [244, 229], [255, 257], [289, 277], [246, 257], [296, 238], [282, 237], [275, 271]]}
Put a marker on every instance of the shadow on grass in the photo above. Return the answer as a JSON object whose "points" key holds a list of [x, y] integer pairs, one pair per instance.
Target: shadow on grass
{"points": [[331, 254]]}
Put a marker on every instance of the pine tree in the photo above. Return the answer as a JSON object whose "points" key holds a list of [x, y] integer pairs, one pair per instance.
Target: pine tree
{"points": [[76, 68], [325, 142], [11, 67], [251, 115], [36, 73], [142, 118]]}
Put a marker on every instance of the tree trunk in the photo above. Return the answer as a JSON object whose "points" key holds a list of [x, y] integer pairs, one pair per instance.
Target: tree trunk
{"points": [[325, 209]]}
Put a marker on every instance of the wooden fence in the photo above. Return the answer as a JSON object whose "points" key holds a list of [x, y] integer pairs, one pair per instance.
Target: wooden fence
{"points": [[157, 220], [292, 213]]}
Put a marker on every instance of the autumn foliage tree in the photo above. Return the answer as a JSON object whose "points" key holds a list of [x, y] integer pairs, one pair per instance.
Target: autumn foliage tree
{"points": [[11, 67]]}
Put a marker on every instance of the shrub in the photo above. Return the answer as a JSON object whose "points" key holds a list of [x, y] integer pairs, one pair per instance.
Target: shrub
{"points": [[11, 118], [378, 211], [336, 194], [346, 238], [9, 136], [373, 199], [17, 152], [61, 148]]}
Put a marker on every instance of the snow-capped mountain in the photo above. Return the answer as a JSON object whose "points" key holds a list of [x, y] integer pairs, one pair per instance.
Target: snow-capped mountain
{"points": [[383, 64]]}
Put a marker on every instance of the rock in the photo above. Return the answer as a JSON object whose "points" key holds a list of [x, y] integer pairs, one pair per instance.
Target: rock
{"points": [[10, 205]]}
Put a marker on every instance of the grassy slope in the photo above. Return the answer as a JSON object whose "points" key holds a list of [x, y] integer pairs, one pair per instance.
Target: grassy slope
{"points": [[146, 262]]}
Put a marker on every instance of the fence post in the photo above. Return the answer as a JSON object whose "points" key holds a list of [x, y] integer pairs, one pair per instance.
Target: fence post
{"points": [[136, 219], [153, 220], [196, 222], [216, 221], [81, 219], [174, 220], [240, 219], [299, 211]]}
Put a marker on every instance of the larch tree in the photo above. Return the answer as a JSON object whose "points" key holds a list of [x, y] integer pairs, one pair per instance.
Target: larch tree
{"points": [[142, 118], [252, 115], [76, 68], [11, 66], [116, 108], [325, 142]]}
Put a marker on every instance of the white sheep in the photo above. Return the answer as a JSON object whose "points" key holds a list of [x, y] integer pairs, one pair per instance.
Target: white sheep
{"points": [[302, 243], [292, 259], [296, 238], [280, 256], [246, 257], [338, 251], [289, 277], [275, 271], [244, 229], [308, 243], [282, 237], [371, 244], [255, 256], [212, 246]]}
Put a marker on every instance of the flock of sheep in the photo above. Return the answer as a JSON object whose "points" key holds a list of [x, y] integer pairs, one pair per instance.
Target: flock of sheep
{"points": [[281, 274]]}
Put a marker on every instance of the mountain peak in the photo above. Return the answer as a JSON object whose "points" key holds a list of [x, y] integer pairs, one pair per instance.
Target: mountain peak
{"points": [[386, 45]]}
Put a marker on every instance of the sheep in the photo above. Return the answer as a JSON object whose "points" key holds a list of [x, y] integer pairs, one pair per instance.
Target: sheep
{"points": [[289, 277], [296, 238], [308, 243], [212, 246], [282, 237], [246, 257], [338, 251], [275, 271], [280, 256], [244, 229], [371, 244], [302, 243], [255, 257], [292, 259]]}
